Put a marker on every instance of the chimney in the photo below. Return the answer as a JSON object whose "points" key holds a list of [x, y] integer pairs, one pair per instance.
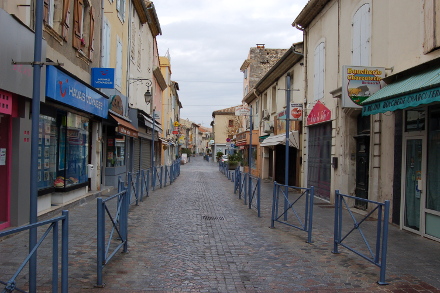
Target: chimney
{"points": [[260, 46]]}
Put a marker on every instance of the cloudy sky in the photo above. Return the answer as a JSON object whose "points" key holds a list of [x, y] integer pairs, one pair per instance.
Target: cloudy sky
{"points": [[208, 41]]}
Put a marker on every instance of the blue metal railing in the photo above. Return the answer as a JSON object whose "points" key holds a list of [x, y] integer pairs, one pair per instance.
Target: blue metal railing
{"points": [[303, 215], [134, 192], [11, 284], [379, 255], [237, 180], [145, 183], [117, 238], [254, 193], [156, 176]]}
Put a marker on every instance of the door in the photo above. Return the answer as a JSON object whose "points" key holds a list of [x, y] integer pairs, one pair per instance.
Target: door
{"points": [[362, 170], [412, 183], [319, 161], [5, 156]]}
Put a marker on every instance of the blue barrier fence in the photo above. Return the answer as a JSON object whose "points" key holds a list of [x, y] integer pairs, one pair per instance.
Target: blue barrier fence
{"points": [[376, 255], [254, 193], [54, 226], [145, 183], [300, 204], [109, 244], [137, 187]]}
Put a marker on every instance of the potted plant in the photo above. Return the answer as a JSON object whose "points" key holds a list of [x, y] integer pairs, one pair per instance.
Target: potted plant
{"points": [[234, 160], [219, 155]]}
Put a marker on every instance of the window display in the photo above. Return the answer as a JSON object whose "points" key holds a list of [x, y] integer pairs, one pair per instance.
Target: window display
{"points": [[116, 151], [72, 150], [47, 144]]}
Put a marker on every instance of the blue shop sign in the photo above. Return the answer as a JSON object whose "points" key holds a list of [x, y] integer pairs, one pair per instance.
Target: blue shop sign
{"points": [[103, 78], [68, 90]]}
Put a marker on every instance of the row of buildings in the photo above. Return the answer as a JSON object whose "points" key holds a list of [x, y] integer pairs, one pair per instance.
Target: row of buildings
{"points": [[108, 105], [364, 92]]}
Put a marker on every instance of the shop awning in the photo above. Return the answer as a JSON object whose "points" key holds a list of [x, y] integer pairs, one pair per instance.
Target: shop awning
{"points": [[125, 127], [281, 139], [420, 89]]}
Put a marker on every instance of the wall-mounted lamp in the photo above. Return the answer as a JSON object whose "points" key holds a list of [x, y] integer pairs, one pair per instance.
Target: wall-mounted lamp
{"points": [[148, 94]]}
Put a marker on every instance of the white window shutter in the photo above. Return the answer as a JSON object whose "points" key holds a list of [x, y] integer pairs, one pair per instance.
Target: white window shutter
{"points": [[118, 69]]}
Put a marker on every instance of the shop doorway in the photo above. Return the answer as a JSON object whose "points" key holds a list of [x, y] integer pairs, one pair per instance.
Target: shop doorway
{"points": [[319, 161], [5, 155], [412, 183]]}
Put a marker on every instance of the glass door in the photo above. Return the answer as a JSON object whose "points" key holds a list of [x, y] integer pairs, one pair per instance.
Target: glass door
{"points": [[413, 183]]}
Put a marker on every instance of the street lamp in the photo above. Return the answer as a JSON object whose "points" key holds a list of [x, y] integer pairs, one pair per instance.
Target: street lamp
{"points": [[148, 95]]}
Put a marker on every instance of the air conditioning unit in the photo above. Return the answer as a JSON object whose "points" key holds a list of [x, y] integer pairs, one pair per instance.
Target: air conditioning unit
{"points": [[267, 127], [266, 114]]}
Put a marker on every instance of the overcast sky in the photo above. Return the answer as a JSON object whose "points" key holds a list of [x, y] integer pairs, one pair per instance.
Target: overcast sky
{"points": [[208, 41]]}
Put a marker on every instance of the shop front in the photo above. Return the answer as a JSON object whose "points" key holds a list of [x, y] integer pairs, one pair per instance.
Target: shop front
{"points": [[319, 150], [120, 136], [414, 100], [16, 91], [66, 137]]}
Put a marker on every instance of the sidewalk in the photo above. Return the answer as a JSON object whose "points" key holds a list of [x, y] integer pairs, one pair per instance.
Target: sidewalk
{"points": [[197, 236]]}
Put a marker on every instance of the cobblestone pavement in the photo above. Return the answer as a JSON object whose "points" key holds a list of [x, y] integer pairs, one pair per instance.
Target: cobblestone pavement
{"points": [[197, 236]]}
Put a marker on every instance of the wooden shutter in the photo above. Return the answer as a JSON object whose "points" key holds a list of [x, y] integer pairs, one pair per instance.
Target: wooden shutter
{"points": [[66, 19], [77, 23], [91, 32], [431, 13], [46, 11]]}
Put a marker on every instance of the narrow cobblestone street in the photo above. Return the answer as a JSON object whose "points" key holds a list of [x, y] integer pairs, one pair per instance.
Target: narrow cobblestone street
{"points": [[197, 236]]}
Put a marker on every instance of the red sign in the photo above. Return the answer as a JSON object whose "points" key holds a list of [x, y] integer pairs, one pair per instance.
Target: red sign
{"points": [[320, 113]]}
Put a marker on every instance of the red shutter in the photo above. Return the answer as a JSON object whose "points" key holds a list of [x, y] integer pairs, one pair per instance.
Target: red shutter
{"points": [[46, 11], [77, 22], [66, 19], [91, 32]]}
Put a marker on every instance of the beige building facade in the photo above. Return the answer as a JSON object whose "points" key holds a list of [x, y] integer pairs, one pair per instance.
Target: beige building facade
{"points": [[379, 154]]}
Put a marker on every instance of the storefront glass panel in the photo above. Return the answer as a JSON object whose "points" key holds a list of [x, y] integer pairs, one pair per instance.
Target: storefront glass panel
{"points": [[412, 181], [433, 183], [72, 150], [47, 151]]}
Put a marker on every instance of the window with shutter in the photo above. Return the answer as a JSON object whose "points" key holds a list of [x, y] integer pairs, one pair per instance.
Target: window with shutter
{"points": [[118, 68], [105, 58], [431, 13], [319, 69], [91, 33], [78, 18], [66, 19], [361, 36]]}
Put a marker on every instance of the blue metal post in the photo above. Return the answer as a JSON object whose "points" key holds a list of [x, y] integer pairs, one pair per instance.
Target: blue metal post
{"points": [[286, 164], [142, 184], [65, 253], [124, 220], [138, 191], [100, 241], [55, 257], [129, 189], [250, 156], [274, 200], [336, 225], [259, 196], [383, 266], [310, 213], [34, 141]]}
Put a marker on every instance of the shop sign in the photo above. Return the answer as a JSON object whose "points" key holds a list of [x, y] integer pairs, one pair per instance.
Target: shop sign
{"points": [[103, 78], [320, 113], [242, 110], [296, 111], [66, 89], [126, 131], [359, 83]]}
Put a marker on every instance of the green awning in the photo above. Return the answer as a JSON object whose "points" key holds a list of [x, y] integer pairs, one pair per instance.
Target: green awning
{"points": [[419, 89]]}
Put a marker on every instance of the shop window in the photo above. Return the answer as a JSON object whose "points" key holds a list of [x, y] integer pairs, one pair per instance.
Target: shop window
{"points": [[72, 150], [47, 152], [433, 184], [415, 120], [116, 150]]}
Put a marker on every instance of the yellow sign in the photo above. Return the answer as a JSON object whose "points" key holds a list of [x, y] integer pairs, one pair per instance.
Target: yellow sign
{"points": [[176, 124]]}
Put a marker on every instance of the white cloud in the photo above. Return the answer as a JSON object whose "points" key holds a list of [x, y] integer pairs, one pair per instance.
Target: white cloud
{"points": [[208, 41]]}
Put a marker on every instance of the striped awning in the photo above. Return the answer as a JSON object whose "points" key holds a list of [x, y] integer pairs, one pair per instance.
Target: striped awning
{"points": [[419, 89]]}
